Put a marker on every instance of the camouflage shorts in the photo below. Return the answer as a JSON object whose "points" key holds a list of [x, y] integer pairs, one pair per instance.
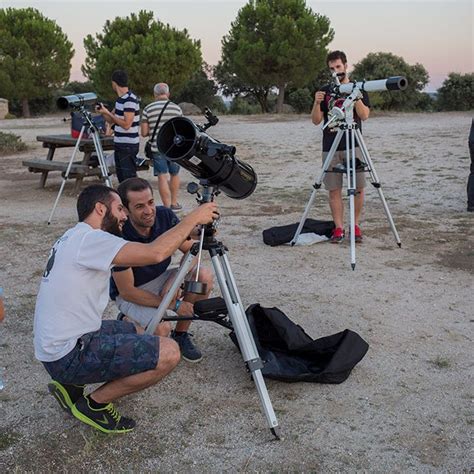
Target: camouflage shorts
{"points": [[113, 352]]}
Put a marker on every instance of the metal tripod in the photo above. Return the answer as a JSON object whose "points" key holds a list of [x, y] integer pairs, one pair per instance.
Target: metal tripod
{"points": [[92, 130], [353, 137], [235, 309]]}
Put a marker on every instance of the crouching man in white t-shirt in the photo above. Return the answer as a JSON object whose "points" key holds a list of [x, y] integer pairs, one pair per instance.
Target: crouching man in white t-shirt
{"points": [[71, 340]]}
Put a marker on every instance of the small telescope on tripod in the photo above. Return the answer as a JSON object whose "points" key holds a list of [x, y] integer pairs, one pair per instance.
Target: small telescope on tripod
{"points": [[348, 130], [80, 103]]}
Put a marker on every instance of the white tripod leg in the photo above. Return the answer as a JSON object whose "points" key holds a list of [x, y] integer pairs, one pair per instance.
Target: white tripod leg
{"points": [[101, 158], [166, 301], [244, 336], [66, 174], [376, 183], [317, 185], [350, 166]]}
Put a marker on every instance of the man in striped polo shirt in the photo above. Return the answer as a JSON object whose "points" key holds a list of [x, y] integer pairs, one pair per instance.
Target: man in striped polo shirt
{"points": [[125, 120], [167, 171]]}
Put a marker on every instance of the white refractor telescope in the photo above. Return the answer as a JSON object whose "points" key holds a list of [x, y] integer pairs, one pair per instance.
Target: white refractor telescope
{"points": [[396, 83]]}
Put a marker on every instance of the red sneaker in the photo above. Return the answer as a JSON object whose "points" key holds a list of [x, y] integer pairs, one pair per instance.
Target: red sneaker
{"points": [[337, 235], [358, 235]]}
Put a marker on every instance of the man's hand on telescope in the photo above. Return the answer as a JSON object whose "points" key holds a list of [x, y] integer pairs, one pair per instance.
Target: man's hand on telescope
{"points": [[205, 213]]}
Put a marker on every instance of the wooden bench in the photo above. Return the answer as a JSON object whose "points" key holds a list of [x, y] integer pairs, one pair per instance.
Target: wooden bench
{"points": [[88, 166]]}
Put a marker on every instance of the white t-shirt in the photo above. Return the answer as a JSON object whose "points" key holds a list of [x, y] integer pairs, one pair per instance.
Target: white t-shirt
{"points": [[74, 290]]}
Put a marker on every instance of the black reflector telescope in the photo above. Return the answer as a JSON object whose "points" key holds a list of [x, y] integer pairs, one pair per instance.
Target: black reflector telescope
{"points": [[182, 141], [76, 101], [395, 83]]}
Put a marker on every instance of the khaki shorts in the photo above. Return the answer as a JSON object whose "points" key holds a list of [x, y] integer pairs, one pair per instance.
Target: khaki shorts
{"points": [[144, 314], [333, 180]]}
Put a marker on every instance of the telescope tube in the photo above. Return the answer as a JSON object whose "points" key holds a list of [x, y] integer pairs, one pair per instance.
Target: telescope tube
{"points": [[182, 141], [76, 100], [395, 83]]}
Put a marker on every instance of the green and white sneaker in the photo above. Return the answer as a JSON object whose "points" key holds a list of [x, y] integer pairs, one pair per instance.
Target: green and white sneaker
{"points": [[106, 419], [66, 394]]}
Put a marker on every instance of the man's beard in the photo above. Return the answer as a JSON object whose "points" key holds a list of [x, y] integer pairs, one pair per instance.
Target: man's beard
{"points": [[111, 224]]}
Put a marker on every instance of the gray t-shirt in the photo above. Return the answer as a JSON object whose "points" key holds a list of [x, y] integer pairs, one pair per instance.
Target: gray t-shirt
{"points": [[74, 290]]}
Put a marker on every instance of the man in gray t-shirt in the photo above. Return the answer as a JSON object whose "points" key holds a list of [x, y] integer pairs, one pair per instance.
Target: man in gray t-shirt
{"points": [[167, 171], [72, 341]]}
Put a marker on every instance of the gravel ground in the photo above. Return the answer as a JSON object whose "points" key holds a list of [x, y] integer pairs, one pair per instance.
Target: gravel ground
{"points": [[406, 407]]}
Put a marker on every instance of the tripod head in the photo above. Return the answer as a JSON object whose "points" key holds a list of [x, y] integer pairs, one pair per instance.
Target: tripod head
{"points": [[205, 192]]}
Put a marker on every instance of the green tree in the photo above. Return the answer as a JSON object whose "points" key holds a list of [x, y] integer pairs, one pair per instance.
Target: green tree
{"points": [[382, 65], [148, 50], [232, 85], [457, 92], [199, 90], [35, 56], [274, 43]]}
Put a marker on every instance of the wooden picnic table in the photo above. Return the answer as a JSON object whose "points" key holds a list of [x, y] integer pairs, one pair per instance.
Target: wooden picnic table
{"points": [[79, 169]]}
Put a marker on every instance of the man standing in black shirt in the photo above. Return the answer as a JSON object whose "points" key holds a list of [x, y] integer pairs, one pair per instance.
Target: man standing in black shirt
{"points": [[324, 102]]}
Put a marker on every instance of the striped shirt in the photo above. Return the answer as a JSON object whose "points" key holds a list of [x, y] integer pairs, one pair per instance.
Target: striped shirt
{"points": [[151, 113], [127, 103]]}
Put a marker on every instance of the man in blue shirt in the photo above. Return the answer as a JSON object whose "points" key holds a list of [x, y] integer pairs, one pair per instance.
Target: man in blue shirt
{"points": [[138, 291], [125, 120]]}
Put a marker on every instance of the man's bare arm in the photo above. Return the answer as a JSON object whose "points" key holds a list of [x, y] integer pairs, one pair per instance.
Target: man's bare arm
{"points": [[144, 129], [128, 291], [134, 254], [316, 113]]}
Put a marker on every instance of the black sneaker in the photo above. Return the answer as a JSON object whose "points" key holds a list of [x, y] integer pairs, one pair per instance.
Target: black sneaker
{"points": [[188, 350], [66, 394], [106, 419]]}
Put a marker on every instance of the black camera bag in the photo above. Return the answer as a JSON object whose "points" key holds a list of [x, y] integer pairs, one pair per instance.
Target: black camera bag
{"points": [[284, 234]]}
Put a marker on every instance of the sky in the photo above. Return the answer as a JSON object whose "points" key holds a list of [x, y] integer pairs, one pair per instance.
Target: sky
{"points": [[435, 33]]}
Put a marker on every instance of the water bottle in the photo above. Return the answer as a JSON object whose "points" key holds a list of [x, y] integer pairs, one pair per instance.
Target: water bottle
{"points": [[2, 383]]}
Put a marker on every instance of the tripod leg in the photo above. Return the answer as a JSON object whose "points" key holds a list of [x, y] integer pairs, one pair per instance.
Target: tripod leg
{"points": [[165, 302], [376, 183], [350, 166], [101, 158], [317, 185], [66, 174], [244, 334]]}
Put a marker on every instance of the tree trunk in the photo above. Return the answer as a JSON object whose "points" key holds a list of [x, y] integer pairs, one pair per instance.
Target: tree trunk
{"points": [[281, 97], [26, 108], [262, 100]]}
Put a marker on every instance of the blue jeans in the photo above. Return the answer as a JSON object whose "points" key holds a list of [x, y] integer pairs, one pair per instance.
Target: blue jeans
{"points": [[162, 166]]}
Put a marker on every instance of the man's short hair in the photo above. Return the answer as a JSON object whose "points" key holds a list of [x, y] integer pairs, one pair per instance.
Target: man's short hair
{"points": [[133, 185], [161, 89], [90, 196], [333, 55], [120, 78]]}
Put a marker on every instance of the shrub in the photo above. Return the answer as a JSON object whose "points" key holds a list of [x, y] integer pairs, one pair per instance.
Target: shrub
{"points": [[241, 106], [301, 100], [10, 143]]}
